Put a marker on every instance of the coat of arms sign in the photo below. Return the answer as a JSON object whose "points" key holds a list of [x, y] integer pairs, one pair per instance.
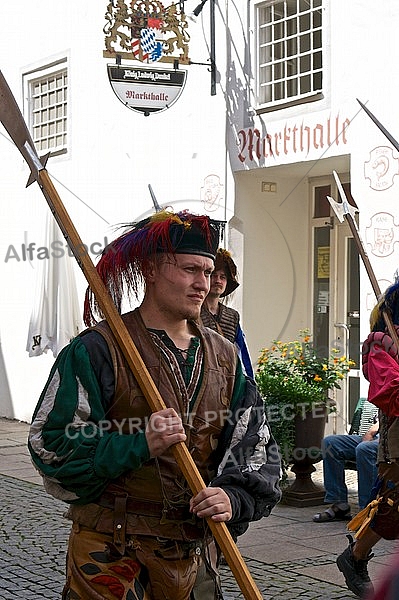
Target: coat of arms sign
{"points": [[146, 31]]}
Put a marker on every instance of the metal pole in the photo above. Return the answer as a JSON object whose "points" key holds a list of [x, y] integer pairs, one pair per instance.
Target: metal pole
{"points": [[212, 48]]}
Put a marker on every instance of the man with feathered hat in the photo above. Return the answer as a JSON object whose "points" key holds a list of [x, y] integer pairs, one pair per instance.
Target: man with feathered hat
{"points": [[138, 531], [219, 317], [380, 519]]}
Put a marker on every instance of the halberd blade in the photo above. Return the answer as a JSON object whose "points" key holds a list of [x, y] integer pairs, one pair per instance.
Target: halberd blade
{"points": [[347, 209], [14, 123], [338, 209]]}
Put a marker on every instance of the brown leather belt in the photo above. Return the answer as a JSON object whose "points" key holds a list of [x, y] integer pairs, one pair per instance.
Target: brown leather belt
{"points": [[146, 508]]}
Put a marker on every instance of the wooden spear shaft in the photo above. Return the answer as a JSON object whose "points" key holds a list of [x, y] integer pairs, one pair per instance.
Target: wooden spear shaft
{"points": [[345, 211], [14, 123]]}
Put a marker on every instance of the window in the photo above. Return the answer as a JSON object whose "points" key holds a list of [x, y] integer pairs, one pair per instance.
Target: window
{"points": [[289, 51], [46, 91]]}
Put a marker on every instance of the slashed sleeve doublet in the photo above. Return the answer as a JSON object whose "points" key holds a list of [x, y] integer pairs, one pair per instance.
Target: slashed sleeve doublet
{"points": [[250, 464], [69, 440]]}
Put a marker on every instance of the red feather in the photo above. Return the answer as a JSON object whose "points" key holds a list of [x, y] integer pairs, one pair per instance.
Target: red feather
{"points": [[121, 264]]}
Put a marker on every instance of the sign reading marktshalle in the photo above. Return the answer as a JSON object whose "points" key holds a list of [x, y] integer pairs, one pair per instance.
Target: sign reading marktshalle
{"points": [[146, 90]]}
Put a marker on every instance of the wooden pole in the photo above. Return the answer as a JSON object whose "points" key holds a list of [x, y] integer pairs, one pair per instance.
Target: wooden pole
{"points": [[14, 123], [373, 280], [345, 211]]}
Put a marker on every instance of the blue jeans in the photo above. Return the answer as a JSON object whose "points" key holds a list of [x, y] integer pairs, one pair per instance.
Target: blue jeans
{"points": [[338, 448]]}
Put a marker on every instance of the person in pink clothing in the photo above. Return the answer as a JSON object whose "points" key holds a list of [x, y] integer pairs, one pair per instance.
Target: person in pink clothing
{"points": [[380, 519]]}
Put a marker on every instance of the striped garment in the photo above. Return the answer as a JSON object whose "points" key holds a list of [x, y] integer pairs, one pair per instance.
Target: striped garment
{"points": [[368, 418]]}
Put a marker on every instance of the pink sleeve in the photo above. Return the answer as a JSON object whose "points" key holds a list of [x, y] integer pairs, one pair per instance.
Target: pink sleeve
{"points": [[383, 375]]}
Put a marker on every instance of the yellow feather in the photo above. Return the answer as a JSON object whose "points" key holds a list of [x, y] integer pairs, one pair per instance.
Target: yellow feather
{"points": [[163, 215]]}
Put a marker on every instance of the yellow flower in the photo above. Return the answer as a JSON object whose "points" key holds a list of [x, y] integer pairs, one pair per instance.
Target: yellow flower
{"points": [[318, 378]]}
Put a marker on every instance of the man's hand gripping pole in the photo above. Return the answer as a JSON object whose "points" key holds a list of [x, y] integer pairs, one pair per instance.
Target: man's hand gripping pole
{"points": [[14, 123]]}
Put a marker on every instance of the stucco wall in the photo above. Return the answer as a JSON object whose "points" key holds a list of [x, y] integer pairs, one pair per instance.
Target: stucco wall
{"points": [[114, 154], [276, 249]]}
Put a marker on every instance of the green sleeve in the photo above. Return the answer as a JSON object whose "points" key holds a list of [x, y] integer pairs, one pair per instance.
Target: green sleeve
{"points": [[69, 439]]}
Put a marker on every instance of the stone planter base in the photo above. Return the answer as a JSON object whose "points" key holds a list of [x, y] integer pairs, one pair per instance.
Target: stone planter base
{"points": [[303, 491], [309, 431]]}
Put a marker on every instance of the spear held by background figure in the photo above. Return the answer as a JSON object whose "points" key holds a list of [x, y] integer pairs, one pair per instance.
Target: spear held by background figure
{"points": [[379, 125], [344, 211], [395, 144], [15, 125]]}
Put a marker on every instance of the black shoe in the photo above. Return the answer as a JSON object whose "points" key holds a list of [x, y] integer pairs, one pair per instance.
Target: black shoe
{"points": [[355, 571]]}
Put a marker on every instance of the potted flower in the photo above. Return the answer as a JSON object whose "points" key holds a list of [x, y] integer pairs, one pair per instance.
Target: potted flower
{"points": [[294, 382]]}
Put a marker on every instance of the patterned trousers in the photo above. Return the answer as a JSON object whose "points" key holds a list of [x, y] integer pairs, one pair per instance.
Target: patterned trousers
{"points": [[149, 569]]}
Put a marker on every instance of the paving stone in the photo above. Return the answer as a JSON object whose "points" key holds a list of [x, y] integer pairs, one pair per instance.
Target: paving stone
{"points": [[34, 536]]}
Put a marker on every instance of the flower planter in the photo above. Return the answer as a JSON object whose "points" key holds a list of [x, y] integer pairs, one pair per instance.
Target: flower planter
{"points": [[309, 432], [294, 380]]}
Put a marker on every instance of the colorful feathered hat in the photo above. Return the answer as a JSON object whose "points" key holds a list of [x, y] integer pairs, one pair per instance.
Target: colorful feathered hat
{"points": [[389, 303], [224, 261], [121, 264]]}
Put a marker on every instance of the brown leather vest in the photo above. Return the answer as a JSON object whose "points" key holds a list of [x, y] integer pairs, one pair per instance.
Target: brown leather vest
{"points": [[159, 481], [225, 323]]}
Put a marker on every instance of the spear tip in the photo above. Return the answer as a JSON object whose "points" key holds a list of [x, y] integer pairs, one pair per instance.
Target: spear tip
{"points": [[33, 174]]}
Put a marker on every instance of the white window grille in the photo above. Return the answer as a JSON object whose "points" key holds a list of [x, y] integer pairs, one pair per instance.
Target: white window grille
{"points": [[289, 51], [47, 94]]}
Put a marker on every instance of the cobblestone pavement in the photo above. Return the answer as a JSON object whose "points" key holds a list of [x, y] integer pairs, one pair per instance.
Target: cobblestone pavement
{"points": [[288, 556], [33, 549]]}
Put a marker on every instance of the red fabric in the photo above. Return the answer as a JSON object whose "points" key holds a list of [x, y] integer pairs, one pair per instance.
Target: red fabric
{"points": [[379, 341], [383, 375], [387, 588]]}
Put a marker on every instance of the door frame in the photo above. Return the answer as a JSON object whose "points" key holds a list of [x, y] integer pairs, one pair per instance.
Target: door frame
{"points": [[338, 330]]}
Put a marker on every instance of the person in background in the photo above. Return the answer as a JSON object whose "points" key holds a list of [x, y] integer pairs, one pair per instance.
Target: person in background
{"points": [[380, 519], [138, 530], [221, 318], [336, 450]]}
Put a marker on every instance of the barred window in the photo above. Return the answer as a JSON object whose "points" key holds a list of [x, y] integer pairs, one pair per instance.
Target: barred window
{"points": [[47, 95], [289, 50]]}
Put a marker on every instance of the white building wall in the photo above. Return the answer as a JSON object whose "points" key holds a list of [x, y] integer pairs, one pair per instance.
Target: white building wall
{"points": [[114, 154], [359, 60], [371, 76]]}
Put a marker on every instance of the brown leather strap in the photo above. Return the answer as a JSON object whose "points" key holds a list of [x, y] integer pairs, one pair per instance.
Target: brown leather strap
{"points": [[120, 523], [146, 508]]}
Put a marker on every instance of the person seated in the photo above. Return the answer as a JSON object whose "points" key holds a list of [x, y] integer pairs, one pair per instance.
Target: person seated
{"points": [[336, 450]]}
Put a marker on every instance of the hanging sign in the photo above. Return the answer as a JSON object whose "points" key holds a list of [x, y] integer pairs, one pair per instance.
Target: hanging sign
{"points": [[146, 90]]}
